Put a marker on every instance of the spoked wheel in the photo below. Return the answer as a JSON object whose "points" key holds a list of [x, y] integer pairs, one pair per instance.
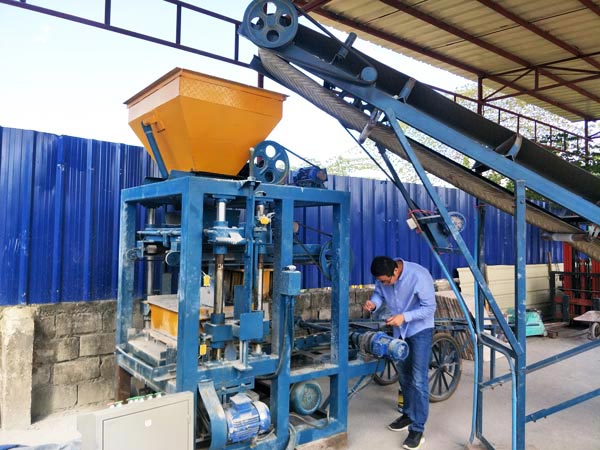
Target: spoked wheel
{"points": [[594, 331], [444, 367], [388, 374]]}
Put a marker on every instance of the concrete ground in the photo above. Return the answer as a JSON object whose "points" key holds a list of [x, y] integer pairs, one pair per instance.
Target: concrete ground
{"points": [[449, 425]]}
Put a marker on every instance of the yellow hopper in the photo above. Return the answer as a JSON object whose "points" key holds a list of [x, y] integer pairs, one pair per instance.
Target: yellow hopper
{"points": [[203, 123]]}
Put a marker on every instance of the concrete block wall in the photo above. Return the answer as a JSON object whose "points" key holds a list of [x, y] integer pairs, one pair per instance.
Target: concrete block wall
{"points": [[72, 360], [315, 304], [56, 357]]}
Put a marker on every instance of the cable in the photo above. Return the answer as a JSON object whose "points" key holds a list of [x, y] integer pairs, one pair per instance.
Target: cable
{"points": [[281, 349], [291, 445]]}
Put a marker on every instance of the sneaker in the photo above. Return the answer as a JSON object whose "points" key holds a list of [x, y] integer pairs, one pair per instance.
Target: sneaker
{"points": [[414, 440], [401, 423]]}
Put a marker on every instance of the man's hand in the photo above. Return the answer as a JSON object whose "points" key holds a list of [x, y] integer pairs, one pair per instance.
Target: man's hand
{"points": [[369, 306], [395, 321]]}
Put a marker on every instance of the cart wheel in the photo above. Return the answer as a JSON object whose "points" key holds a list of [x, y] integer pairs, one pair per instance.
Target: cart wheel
{"points": [[388, 375], [594, 331], [444, 367]]}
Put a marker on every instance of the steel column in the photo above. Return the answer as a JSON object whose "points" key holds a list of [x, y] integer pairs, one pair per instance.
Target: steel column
{"points": [[520, 314]]}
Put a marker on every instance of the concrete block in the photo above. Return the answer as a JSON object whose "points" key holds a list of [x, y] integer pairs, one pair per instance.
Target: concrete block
{"points": [[72, 372], [55, 350], [109, 319], [97, 344], [363, 294], [50, 398], [351, 296], [44, 353], [95, 392], [88, 322], [67, 349], [40, 376], [302, 303], [320, 298], [306, 314], [324, 314], [45, 327], [355, 312], [16, 367], [78, 323], [107, 367]]}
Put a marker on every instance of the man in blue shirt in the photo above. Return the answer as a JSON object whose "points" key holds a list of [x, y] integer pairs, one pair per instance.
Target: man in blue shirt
{"points": [[406, 290]]}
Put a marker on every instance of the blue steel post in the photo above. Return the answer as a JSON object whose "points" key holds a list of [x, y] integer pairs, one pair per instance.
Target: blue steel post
{"points": [[479, 251], [479, 278], [479, 152], [155, 151], [280, 387], [126, 272], [250, 261], [520, 312], [192, 205], [340, 264]]}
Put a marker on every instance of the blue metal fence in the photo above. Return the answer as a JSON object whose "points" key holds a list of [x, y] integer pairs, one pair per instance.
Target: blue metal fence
{"points": [[59, 213]]}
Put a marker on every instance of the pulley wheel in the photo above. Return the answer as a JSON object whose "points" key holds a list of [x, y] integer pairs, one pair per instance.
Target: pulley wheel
{"points": [[270, 23], [326, 259], [271, 163]]}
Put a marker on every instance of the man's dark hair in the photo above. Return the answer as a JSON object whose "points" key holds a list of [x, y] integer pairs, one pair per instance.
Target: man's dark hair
{"points": [[383, 266]]}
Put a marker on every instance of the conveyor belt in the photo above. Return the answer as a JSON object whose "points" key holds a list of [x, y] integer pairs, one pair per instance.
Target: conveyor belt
{"points": [[434, 163], [466, 122]]}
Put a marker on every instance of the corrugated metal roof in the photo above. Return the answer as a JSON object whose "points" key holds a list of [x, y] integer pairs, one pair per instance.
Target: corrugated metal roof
{"points": [[551, 48]]}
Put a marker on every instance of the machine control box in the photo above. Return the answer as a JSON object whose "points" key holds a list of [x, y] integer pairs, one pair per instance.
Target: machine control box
{"points": [[154, 423]]}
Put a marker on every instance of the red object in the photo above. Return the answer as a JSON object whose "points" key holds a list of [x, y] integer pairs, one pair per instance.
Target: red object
{"points": [[580, 282]]}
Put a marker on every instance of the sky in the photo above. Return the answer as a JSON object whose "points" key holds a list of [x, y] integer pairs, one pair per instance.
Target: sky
{"points": [[67, 78]]}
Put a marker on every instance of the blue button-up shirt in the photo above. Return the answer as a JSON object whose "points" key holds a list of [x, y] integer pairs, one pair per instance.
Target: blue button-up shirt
{"points": [[412, 295]]}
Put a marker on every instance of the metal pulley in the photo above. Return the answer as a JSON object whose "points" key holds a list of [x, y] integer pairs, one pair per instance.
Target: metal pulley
{"points": [[326, 259], [270, 24], [270, 162]]}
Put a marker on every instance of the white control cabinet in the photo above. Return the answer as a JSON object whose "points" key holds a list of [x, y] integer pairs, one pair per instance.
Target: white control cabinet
{"points": [[154, 424]]}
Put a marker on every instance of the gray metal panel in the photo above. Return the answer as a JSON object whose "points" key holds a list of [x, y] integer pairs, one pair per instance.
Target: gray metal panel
{"points": [[155, 424]]}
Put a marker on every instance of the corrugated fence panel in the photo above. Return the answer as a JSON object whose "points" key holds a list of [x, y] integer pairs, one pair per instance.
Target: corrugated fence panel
{"points": [[60, 220], [378, 227], [61, 215]]}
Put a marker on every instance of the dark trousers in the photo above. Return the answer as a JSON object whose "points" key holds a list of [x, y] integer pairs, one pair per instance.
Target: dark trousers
{"points": [[414, 378]]}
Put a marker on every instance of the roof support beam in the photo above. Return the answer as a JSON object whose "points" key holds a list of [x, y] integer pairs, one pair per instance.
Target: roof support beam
{"points": [[537, 30], [591, 6], [491, 98], [309, 5], [486, 45], [443, 58]]}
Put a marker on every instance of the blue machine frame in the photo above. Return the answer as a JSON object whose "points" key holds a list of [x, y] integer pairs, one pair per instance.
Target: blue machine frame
{"points": [[216, 379]]}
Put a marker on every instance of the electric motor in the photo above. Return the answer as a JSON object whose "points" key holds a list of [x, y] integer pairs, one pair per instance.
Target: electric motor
{"points": [[305, 398], [381, 345], [245, 418]]}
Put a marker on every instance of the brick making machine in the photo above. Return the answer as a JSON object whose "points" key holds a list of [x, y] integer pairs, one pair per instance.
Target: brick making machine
{"points": [[219, 205]]}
